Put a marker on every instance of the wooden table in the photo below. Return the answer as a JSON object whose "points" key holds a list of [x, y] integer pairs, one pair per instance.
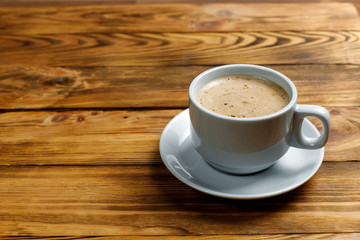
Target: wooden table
{"points": [[87, 90]]}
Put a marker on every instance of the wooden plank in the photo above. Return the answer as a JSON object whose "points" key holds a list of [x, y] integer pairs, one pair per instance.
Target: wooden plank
{"points": [[327, 236], [123, 137], [82, 137], [179, 18], [20, 3], [124, 87], [158, 49], [43, 3], [345, 134], [148, 200]]}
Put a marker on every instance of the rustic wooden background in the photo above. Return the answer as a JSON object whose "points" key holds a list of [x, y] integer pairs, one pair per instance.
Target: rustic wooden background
{"points": [[356, 3], [85, 92]]}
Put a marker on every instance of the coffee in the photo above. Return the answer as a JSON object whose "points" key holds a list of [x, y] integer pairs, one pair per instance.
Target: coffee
{"points": [[242, 96]]}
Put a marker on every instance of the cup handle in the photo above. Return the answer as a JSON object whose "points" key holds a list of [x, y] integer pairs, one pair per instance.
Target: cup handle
{"points": [[297, 137]]}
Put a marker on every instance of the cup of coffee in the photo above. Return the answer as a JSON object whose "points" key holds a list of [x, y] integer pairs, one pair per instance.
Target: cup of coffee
{"points": [[245, 117]]}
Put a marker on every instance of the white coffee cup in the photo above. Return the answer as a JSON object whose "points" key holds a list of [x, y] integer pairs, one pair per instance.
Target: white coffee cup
{"points": [[249, 145]]}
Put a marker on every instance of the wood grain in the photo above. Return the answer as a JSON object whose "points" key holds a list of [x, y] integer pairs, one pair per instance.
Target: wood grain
{"points": [[324, 236], [124, 137], [43, 3], [148, 200], [179, 18], [125, 87], [85, 137], [159, 49], [86, 91]]}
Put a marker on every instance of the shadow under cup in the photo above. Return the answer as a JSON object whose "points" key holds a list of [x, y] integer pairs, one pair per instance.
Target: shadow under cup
{"points": [[243, 145]]}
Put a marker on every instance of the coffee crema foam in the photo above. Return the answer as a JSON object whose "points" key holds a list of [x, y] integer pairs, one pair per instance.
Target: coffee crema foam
{"points": [[242, 96]]}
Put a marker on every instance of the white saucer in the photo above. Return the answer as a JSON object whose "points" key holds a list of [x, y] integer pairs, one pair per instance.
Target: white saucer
{"points": [[177, 152]]}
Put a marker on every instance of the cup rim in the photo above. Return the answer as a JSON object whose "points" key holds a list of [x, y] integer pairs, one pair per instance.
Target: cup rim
{"points": [[292, 102]]}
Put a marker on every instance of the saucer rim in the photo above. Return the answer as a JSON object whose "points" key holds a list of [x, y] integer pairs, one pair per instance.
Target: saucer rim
{"points": [[209, 191]]}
